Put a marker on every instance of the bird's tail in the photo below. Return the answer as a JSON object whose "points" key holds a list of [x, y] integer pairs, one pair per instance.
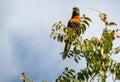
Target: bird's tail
{"points": [[66, 50]]}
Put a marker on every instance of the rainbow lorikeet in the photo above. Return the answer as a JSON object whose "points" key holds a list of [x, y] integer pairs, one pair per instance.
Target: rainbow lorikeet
{"points": [[73, 23]]}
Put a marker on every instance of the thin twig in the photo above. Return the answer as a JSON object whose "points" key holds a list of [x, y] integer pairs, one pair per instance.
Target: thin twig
{"points": [[92, 79]]}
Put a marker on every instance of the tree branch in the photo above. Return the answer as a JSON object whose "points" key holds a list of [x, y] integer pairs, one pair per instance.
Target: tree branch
{"points": [[92, 79]]}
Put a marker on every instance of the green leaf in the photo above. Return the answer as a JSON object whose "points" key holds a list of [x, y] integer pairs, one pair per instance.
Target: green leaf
{"points": [[66, 75], [72, 70], [78, 57], [52, 33], [116, 50], [85, 22], [79, 31], [88, 19], [26, 79], [80, 76], [89, 72], [33, 81], [65, 30], [103, 79], [54, 25], [83, 28], [58, 26], [55, 35], [71, 73], [71, 53], [76, 60], [75, 80], [112, 23], [59, 80], [85, 74], [60, 38], [103, 16], [66, 69]]}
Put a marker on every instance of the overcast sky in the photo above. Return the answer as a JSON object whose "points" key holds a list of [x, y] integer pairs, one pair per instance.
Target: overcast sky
{"points": [[25, 43]]}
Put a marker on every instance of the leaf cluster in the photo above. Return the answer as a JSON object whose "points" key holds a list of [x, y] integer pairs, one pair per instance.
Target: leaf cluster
{"points": [[24, 78], [97, 52], [61, 33]]}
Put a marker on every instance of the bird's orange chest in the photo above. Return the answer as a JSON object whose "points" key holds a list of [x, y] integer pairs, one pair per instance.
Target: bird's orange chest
{"points": [[75, 19]]}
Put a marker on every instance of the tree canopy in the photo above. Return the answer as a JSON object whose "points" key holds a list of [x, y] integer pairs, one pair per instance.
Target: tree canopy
{"points": [[96, 51]]}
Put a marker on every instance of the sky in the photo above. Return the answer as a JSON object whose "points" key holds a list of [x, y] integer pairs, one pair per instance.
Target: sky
{"points": [[25, 43]]}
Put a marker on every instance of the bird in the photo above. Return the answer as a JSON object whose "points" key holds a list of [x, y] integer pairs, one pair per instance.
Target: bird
{"points": [[74, 23]]}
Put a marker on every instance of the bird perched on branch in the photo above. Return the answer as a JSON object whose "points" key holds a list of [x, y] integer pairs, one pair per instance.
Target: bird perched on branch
{"points": [[74, 23]]}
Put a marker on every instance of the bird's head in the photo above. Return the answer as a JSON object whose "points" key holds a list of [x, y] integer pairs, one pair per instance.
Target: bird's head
{"points": [[75, 11]]}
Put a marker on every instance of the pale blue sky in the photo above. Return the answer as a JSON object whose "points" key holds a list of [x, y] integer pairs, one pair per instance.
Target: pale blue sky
{"points": [[25, 44]]}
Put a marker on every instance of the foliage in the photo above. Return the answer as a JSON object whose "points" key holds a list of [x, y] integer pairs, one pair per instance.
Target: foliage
{"points": [[61, 33], [24, 78], [97, 52]]}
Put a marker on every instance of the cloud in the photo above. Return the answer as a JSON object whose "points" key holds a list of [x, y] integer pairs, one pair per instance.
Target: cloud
{"points": [[8, 59]]}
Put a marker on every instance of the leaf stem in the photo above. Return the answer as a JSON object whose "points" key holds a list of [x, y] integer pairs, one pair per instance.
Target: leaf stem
{"points": [[92, 79]]}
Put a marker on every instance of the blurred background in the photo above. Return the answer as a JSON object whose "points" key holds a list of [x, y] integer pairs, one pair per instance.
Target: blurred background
{"points": [[25, 43]]}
